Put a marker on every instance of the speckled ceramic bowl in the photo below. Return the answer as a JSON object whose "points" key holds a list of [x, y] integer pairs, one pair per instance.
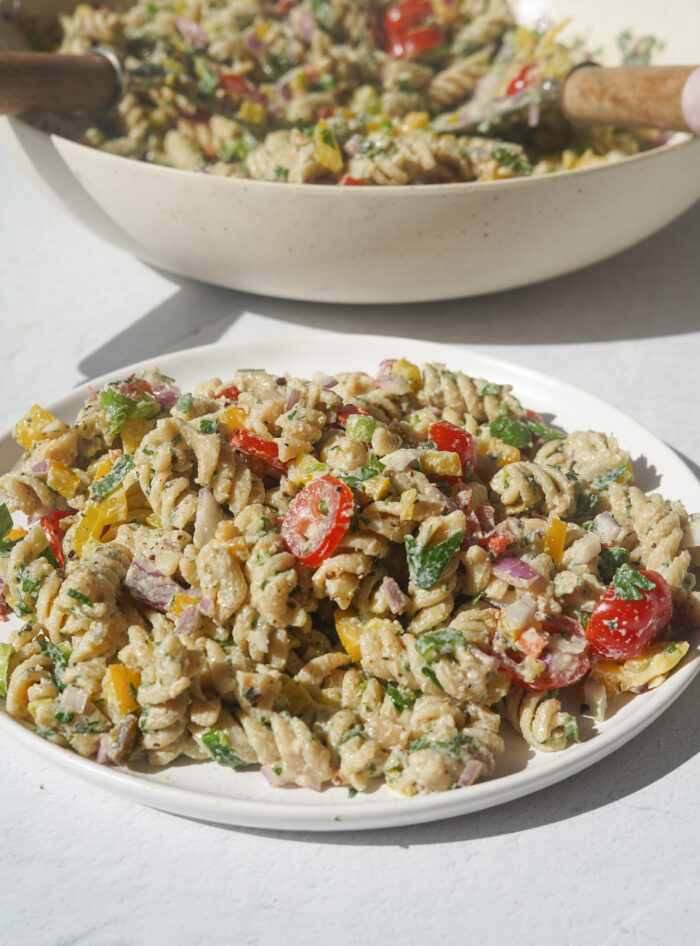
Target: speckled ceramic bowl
{"points": [[382, 244]]}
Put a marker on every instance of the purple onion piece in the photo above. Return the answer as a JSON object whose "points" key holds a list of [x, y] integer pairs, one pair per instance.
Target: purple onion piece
{"points": [[148, 585], [307, 25], [102, 756], [393, 594], [188, 622], [292, 399], [206, 607], [254, 44], [273, 779], [515, 572], [328, 382], [472, 770], [192, 32], [41, 467], [165, 395], [386, 369], [353, 146]]}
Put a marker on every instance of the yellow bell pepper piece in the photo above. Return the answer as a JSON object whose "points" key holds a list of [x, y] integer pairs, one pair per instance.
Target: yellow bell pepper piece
{"points": [[441, 463], [306, 468], [252, 112], [179, 603], [113, 510], [407, 370], [327, 151], [382, 122], [32, 426], [297, 696], [100, 468], [648, 669], [17, 534], [492, 446], [554, 539], [414, 120], [133, 432], [154, 521], [377, 487], [233, 417], [407, 503], [349, 628], [117, 685], [62, 479]]}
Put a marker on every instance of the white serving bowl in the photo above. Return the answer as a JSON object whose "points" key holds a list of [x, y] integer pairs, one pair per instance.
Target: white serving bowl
{"points": [[382, 244]]}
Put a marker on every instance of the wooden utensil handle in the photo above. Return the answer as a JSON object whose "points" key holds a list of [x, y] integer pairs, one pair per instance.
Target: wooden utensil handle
{"points": [[663, 97], [31, 82]]}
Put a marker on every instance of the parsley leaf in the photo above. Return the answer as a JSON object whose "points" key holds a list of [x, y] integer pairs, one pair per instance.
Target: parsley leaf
{"points": [[603, 480], [586, 505], [511, 159], [541, 430], [107, 484], [351, 734], [5, 521], [79, 596], [610, 561], [183, 403], [59, 655], [354, 479], [216, 742], [120, 408], [209, 426], [450, 748], [511, 431], [400, 697], [628, 582], [440, 643], [430, 674], [490, 389], [427, 563]]}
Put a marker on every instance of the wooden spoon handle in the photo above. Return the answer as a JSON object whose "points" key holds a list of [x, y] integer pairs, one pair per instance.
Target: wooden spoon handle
{"points": [[664, 97], [49, 82]]}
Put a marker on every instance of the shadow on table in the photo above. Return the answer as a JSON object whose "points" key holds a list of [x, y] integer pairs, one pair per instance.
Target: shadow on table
{"points": [[649, 290], [664, 746]]}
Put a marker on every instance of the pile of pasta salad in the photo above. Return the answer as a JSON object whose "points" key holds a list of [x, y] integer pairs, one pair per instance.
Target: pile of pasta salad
{"points": [[342, 581], [338, 91]]}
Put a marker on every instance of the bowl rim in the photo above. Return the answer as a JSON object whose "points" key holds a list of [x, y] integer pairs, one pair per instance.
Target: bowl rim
{"points": [[682, 143]]}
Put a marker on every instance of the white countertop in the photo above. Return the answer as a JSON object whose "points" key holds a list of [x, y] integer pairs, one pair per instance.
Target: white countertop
{"points": [[609, 856]]}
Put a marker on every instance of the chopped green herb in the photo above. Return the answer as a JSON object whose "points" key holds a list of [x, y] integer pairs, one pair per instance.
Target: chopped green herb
{"points": [[208, 79], [120, 408], [217, 743], [108, 483], [352, 734], [6, 652], [352, 791], [451, 748], [430, 674], [541, 430], [323, 507], [209, 426], [440, 643], [482, 594], [79, 596], [628, 582], [5, 521], [512, 159], [583, 617], [610, 560], [29, 586], [586, 505], [282, 174], [235, 150], [400, 697], [511, 431], [603, 480], [183, 403], [59, 654], [354, 479], [427, 563], [490, 389], [64, 717], [571, 728]]}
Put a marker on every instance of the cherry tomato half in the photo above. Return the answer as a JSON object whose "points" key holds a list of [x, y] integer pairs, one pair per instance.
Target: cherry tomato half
{"points": [[349, 181], [413, 42], [231, 393], [620, 629], [263, 455], [447, 436], [564, 653], [523, 79], [233, 83], [54, 534], [318, 519], [402, 16]]}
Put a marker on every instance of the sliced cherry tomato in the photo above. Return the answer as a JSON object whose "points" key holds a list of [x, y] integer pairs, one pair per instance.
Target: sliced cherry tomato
{"points": [[352, 181], [233, 83], [318, 519], [402, 16], [620, 629], [564, 654], [325, 111], [282, 7], [231, 393], [522, 80], [54, 534], [447, 436], [345, 411], [415, 41], [263, 455]]}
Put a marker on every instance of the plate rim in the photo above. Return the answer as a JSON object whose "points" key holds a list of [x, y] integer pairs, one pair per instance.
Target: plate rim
{"points": [[370, 813]]}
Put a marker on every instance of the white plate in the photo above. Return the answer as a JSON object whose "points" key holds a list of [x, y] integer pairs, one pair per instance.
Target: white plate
{"points": [[214, 793]]}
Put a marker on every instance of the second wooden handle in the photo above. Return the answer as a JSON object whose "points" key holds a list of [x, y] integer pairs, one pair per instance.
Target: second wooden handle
{"points": [[47, 82], [645, 96]]}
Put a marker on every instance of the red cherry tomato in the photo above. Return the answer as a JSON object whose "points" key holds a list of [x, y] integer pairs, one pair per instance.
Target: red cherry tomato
{"points": [[345, 411], [233, 83], [54, 534], [352, 181], [263, 455], [522, 80], [564, 653], [447, 436], [318, 519], [620, 629], [401, 16], [415, 41], [231, 393]]}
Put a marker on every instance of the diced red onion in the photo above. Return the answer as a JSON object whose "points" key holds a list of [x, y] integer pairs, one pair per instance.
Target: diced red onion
{"points": [[393, 594], [533, 115], [584, 550], [306, 24], [386, 369], [102, 756], [353, 146], [464, 498], [254, 44], [275, 780], [165, 395], [515, 572], [188, 622], [607, 527], [41, 467], [472, 770], [206, 606], [328, 382], [292, 399], [74, 699], [192, 32], [519, 614], [150, 586], [486, 517]]}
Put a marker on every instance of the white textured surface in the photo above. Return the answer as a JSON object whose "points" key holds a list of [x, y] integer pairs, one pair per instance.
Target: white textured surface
{"points": [[609, 856]]}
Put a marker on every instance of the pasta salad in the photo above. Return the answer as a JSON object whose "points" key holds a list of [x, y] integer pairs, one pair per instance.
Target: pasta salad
{"points": [[344, 581], [337, 92]]}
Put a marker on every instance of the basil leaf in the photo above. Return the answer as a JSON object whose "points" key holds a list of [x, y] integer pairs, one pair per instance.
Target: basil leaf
{"points": [[440, 643], [628, 582], [586, 505], [490, 389], [5, 521], [184, 403], [108, 483], [354, 479], [59, 654], [511, 431], [216, 742], [427, 563], [120, 408], [609, 562], [603, 480], [450, 748], [79, 596], [541, 430], [400, 697], [209, 426]]}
